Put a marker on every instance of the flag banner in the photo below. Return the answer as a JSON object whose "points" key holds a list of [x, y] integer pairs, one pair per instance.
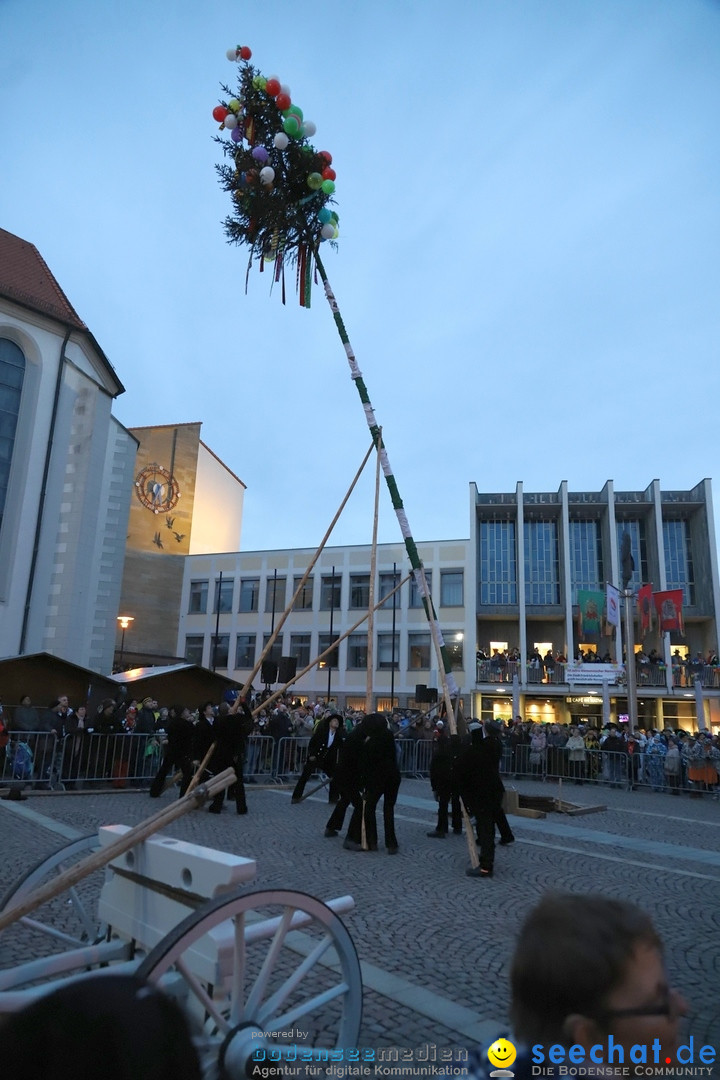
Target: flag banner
{"points": [[644, 602], [669, 610], [591, 605], [612, 605]]}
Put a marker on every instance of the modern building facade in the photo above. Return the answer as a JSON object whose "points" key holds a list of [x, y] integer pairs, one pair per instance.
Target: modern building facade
{"points": [[66, 472], [507, 592]]}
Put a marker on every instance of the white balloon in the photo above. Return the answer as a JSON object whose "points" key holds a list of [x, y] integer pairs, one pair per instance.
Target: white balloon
{"points": [[281, 140], [327, 231], [232, 54], [267, 175], [285, 89], [309, 128], [230, 121]]}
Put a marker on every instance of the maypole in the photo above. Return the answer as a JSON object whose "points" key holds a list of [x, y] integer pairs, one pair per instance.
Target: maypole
{"points": [[281, 189]]}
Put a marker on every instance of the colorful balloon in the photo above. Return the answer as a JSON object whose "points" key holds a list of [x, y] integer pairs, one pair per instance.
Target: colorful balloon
{"points": [[326, 156], [291, 127], [230, 121], [232, 54], [328, 187], [236, 134], [235, 105], [328, 173], [245, 52], [219, 113], [327, 231], [281, 140], [283, 101], [314, 181], [272, 86], [309, 128], [324, 215], [295, 110], [285, 89], [260, 153], [267, 175]]}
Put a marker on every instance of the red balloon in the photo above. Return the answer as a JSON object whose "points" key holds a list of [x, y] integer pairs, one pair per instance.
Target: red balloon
{"points": [[273, 87], [283, 102], [219, 113], [245, 52], [326, 156], [328, 173]]}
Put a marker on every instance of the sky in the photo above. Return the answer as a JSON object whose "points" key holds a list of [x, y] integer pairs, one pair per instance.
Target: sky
{"points": [[528, 260]]}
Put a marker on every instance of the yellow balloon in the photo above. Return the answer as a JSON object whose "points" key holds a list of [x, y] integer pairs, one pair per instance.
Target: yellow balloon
{"points": [[501, 1054]]}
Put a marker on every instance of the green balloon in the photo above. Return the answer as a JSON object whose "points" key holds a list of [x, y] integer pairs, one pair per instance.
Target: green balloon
{"points": [[291, 126], [314, 181], [294, 110], [328, 186]]}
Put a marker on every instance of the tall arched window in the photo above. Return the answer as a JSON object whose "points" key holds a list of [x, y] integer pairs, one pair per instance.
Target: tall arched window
{"points": [[12, 373]]}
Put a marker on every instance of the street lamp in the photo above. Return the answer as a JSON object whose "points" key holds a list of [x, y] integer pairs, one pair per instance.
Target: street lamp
{"points": [[124, 621]]}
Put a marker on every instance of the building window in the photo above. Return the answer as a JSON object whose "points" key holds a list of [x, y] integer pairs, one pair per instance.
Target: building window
{"points": [[451, 588], [454, 648], [387, 583], [324, 642], [586, 564], [419, 646], [245, 651], [360, 591], [277, 650], [275, 594], [388, 652], [542, 565], [219, 650], [638, 549], [194, 644], [300, 649], [679, 571], [498, 563], [330, 592], [304, 601], [249, 594], [223, 595], [357, 656], [198, 598], [12, 375], [415, 597]]}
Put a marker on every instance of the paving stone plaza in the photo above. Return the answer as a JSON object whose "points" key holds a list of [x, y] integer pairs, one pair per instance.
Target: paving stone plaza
{"points": [[435, 945]]}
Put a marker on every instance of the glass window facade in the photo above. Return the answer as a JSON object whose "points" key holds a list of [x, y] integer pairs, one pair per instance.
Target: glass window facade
{"points": [[360, 591], [324, 642], [275, 594], [357, 656], [388, 652], [219, 650], [300, 649], [12, 376], [249, 593], [454, 641], [304, 600], [586, 562], [198, 598], [451, 588], [498, 563], [223, 595], [679, 572], [638, 548], [542, 566], [415, 598], [387, 583], [419, 646], [330, 592], [194, 645], [277, 650], [245, 651]]}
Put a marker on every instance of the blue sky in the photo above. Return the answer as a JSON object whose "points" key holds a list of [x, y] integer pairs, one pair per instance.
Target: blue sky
{"points": [[528, 257]]}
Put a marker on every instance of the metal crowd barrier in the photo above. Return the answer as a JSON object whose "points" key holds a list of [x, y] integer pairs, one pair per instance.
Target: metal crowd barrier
{"points": [[259, 758], [42, 760]]}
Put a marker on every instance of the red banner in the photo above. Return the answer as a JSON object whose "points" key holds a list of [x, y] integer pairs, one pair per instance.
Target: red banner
{"points": [[669, 610], [644, 602]]}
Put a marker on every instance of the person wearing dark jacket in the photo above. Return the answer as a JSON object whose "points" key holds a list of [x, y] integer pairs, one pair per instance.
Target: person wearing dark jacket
{"points": [[481, 789], [347, 779], [178, 751], [226, 733], [323, 753], [442, 781], [379, 777]]}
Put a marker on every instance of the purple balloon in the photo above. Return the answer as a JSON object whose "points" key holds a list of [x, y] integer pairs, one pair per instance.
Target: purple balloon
{"points": [[260, 153], [236, 134]]}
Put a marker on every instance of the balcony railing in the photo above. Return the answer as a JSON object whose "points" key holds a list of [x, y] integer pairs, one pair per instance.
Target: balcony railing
{"points": [[646, 675]]}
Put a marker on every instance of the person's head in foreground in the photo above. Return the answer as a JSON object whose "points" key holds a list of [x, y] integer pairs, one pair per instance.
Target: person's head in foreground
{"points": [[111, 1026], [587, 968]]}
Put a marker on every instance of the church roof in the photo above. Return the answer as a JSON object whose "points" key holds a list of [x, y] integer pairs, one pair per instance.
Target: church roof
{"points": [[26, 278]]}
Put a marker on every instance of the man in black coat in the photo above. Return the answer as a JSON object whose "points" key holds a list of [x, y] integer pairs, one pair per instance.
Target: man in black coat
{"points": [[347, 779], [379, 778], [323, 753], [442, 781], [178, 751], [228, 731], [481, 789]]}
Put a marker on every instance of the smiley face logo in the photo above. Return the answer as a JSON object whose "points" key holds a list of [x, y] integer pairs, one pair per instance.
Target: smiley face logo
{"points": [[502, 1053]]}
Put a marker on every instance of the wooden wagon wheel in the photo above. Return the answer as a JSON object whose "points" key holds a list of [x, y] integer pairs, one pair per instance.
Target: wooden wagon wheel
{"points": [[272, 974], [78, 924]]}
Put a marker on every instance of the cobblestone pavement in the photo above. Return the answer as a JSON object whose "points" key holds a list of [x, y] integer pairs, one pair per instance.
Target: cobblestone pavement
{"points": [[434, 944]]}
